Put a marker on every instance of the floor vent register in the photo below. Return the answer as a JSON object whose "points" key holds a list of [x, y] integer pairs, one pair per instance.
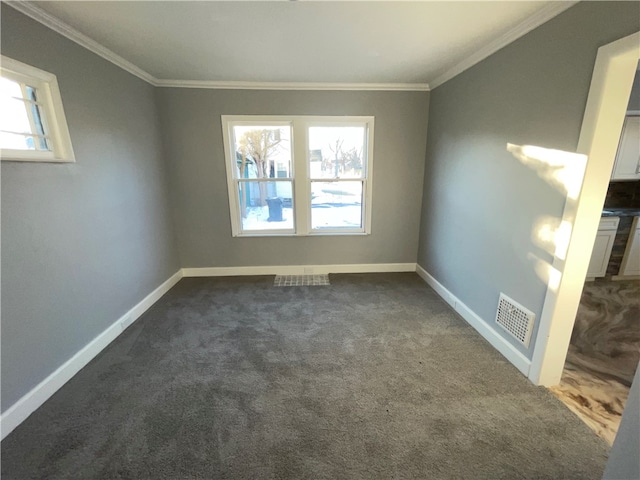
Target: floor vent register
{"points": [[301, 280]]}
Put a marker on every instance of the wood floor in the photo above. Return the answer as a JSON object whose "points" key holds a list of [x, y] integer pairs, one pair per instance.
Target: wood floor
{"points": [[603, 355]]}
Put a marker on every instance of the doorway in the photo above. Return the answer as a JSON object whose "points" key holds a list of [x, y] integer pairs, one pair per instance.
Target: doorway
{"points": [[604, 350], [611, 84]]}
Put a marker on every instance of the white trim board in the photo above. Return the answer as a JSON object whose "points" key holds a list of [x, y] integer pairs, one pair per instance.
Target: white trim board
{"points": [[238, 85], [514, 356], [58, 26], [64, 29], [298, 269], [534, 21], [29, 403]]}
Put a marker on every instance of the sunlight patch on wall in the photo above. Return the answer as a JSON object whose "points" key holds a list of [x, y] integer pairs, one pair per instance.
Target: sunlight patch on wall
{"points": [[552, 235], [546, 272], [564, 171], [562, 237]]}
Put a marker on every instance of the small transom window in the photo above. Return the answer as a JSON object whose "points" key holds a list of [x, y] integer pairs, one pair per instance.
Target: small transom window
{"points": [[32, 122]]}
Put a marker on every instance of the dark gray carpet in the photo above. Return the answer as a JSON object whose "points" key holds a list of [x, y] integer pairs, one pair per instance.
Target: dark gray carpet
{"points": [[373, 377]]}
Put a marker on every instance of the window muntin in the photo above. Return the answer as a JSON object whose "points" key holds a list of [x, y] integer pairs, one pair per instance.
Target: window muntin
{"points": [[316, 180], [32, 122]]}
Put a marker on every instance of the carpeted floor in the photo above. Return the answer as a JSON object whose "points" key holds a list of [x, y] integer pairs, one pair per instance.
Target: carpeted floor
{"points": [[372, 377]]}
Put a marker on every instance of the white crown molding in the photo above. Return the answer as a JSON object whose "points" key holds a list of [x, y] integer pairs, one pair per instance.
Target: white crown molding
{"points": [[534, 21], [57, 25], [81, 39], [232, 85]]}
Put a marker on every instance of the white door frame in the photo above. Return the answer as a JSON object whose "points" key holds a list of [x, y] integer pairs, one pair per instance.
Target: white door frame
{"points": [[613, 75]]}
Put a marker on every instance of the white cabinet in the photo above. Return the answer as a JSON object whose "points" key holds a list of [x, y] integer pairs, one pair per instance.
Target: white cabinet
{"points": [[631, 260], [602, 247], [627, 166]]}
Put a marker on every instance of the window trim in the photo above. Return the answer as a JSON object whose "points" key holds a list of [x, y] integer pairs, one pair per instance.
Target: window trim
{"points": [[52, 113], [301, 181]]}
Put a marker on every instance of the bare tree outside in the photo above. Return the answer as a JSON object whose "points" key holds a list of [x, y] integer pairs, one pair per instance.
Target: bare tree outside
{"points": [[336, 150], [351, 161], [258, 147], [345, 162]]}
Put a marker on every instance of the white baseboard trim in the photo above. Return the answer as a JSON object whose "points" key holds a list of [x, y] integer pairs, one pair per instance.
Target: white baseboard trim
{"points": [[29, 403], [514, 356], [298, 269]]}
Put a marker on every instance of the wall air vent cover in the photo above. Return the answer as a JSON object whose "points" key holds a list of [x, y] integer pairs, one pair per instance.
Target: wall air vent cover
{"points": [[515, 319], [301, 280]]}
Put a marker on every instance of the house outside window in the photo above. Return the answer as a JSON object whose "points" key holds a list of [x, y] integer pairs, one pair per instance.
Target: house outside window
{"points": [[301, 175]]}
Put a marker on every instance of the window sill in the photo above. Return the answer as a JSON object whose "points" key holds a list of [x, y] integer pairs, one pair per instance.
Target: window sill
{"points": [[7, 155]]}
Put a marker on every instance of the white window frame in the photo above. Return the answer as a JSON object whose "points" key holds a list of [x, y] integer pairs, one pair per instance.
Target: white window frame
{"points": [[51, 111], [301, 182]]}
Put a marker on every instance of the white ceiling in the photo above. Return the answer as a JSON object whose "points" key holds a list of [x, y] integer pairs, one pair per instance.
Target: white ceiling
{"points": [[278, 41]]}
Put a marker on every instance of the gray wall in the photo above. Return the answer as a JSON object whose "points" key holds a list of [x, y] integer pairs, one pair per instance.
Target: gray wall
{"points": [[192, 134], [624, 461], [81, 243], [480, 203]]}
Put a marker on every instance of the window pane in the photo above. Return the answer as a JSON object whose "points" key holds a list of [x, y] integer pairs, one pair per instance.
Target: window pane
{"points": [[18, 142], [31, 93], [336, 205], [43, 144], [336, 152], [13, 116], [37, 120], [262, 151], [9, 88], [266, 205]]}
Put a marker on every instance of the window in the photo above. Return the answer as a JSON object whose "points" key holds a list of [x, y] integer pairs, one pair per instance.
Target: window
{"points": [[32, 122], [299, 175]]}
